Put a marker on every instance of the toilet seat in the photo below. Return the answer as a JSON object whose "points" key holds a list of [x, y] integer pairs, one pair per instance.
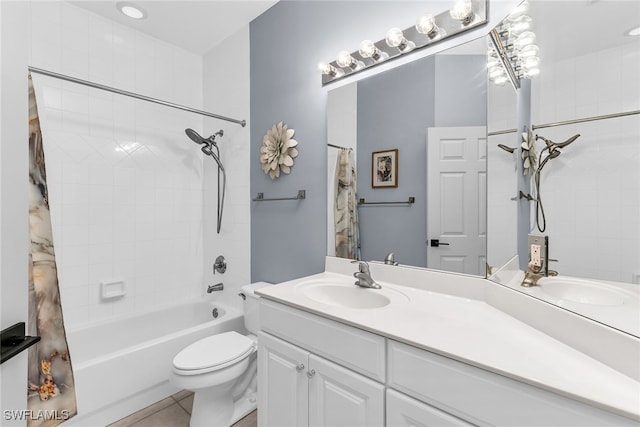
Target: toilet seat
{"points": [[213, 353]]}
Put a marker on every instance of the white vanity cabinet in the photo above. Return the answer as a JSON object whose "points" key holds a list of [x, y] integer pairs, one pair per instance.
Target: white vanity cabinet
{"points": [[319, 372], [298, 388]]}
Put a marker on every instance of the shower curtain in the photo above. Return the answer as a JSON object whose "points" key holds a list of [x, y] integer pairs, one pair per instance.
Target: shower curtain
{"points": [[345, 207], [51, 391]]}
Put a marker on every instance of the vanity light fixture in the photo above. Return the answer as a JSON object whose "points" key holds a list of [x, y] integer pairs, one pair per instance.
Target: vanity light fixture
{"points": [[428, 29], [131, 10], [513, 45]]}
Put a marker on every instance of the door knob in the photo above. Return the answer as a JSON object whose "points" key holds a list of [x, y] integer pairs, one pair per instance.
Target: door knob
{"points": [[300, 367], [436, 243], [311, 373]]}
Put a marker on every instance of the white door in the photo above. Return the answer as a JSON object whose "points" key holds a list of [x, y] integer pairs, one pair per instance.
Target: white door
{"points": [[338, 397], [282, 383], [456, 199]]}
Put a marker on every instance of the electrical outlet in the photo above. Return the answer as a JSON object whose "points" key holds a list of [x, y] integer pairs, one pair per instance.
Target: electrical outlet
{"points": [[538, 249], [535, 255]]}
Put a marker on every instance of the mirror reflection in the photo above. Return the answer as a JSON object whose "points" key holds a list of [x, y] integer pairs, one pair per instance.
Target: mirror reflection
{"points": [[588, 85], [417, 139]]}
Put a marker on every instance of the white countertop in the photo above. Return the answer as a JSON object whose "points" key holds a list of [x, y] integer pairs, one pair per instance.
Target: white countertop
{"points": [[470, 330]]}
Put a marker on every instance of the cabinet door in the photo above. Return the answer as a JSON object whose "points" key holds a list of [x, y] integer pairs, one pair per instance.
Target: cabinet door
{"points": [[282, 383], [340, 397], [403, 411]]}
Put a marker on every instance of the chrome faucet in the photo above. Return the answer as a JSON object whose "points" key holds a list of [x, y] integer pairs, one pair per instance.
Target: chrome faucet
{"points": [[390, 259], [364, 276], [216, 287]]}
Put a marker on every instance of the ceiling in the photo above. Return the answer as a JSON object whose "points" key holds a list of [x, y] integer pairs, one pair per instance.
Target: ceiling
{"points": [[196, 26]]}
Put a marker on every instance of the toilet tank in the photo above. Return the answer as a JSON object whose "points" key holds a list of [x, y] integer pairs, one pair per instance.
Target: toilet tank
{"points": [[251, 300]]}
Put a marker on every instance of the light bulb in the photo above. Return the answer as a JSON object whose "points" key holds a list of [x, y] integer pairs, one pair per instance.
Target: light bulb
{"points": [[394, 37], [367, 49], [462, 10], [521, 25], [524, 39], [426, 24], [533, 72], [531, 62], [327, 69], [528, 51], [131, 10], [344, 59]]}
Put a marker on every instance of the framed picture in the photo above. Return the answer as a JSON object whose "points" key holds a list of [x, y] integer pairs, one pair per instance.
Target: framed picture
{"points": [[384, 169]]}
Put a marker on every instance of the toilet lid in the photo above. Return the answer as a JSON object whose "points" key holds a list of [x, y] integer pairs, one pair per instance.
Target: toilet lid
{"points": [[212, 351]]}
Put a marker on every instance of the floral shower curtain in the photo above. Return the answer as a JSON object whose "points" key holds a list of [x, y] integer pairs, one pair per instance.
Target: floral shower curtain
{"points": [[345, 207], [51, 390]]}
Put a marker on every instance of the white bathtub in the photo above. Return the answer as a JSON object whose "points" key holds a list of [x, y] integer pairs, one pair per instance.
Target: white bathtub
{"points": [[123, 365]]}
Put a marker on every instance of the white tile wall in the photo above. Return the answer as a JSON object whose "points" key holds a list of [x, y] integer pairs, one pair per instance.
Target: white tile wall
{"points": [[125, 184], [591, 193]]}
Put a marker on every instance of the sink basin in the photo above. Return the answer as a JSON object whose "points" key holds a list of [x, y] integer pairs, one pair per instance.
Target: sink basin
{"points": [[583, 291], [349, 295]]}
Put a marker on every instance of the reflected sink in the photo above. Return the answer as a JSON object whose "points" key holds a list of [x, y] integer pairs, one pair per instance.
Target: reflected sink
{"points": [[349, 295], [583, 291]]}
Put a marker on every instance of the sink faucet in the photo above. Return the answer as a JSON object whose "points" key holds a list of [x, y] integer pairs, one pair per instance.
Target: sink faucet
{"points": [[364, 276], [535, 273]]}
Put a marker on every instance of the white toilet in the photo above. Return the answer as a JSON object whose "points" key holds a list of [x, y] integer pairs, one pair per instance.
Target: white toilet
{"points": [[221, 370]]}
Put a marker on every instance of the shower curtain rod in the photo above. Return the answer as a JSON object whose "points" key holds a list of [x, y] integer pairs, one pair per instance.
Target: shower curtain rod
{"points": [[570, 122], [133, 95]]}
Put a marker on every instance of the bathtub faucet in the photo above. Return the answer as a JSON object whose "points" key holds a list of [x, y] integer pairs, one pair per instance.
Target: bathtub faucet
{"points": [[216, 287]]}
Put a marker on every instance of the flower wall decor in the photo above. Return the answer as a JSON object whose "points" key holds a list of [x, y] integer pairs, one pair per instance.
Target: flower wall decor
{"points": [[278, 150], [528, 153]]}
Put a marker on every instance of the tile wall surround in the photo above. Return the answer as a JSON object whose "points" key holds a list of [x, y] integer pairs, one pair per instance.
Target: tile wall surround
{"points": [[591, 192], [125, 184]]}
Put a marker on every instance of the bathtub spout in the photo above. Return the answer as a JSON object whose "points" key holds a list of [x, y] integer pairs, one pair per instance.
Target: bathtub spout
{"points": [[216, 287]]}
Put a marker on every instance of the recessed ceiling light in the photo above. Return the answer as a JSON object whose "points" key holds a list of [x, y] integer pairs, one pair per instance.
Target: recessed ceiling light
{"points": [[633, 32], [131, 10]]}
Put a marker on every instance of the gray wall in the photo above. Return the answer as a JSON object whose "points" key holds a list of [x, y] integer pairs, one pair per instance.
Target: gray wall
{"points": [[288, 239]]}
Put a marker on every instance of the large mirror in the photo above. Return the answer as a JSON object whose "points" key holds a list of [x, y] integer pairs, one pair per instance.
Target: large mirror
{"points": [[423, 124], [588, 85], [591, 192]]}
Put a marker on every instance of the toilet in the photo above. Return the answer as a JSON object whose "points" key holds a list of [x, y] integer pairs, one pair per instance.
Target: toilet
{"points": [[221, 370]]}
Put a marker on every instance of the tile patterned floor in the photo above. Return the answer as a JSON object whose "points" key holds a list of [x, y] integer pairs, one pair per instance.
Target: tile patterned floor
{"points": [[173, 411]]}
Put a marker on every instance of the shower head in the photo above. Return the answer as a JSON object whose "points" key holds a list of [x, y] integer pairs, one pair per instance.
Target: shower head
{"points": [[195, 137]]}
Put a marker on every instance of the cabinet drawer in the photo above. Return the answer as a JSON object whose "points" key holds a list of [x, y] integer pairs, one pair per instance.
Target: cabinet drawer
{"points": [[482, 397], [358, 350], [403, 411]]}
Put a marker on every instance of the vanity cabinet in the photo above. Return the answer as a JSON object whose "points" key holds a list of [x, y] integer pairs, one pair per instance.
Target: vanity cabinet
{"points": [[314, 371], [298, 388]]}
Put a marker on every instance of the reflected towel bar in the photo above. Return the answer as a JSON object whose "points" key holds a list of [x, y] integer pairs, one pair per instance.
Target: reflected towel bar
{"points": [[411, 201], [302, 194]]}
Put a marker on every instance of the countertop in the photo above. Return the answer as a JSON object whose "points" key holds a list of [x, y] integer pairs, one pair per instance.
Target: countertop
{"points": [[470, 330]]}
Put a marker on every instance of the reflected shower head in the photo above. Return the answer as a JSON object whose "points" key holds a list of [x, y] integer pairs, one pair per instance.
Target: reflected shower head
{"points": [[553, 145]]}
